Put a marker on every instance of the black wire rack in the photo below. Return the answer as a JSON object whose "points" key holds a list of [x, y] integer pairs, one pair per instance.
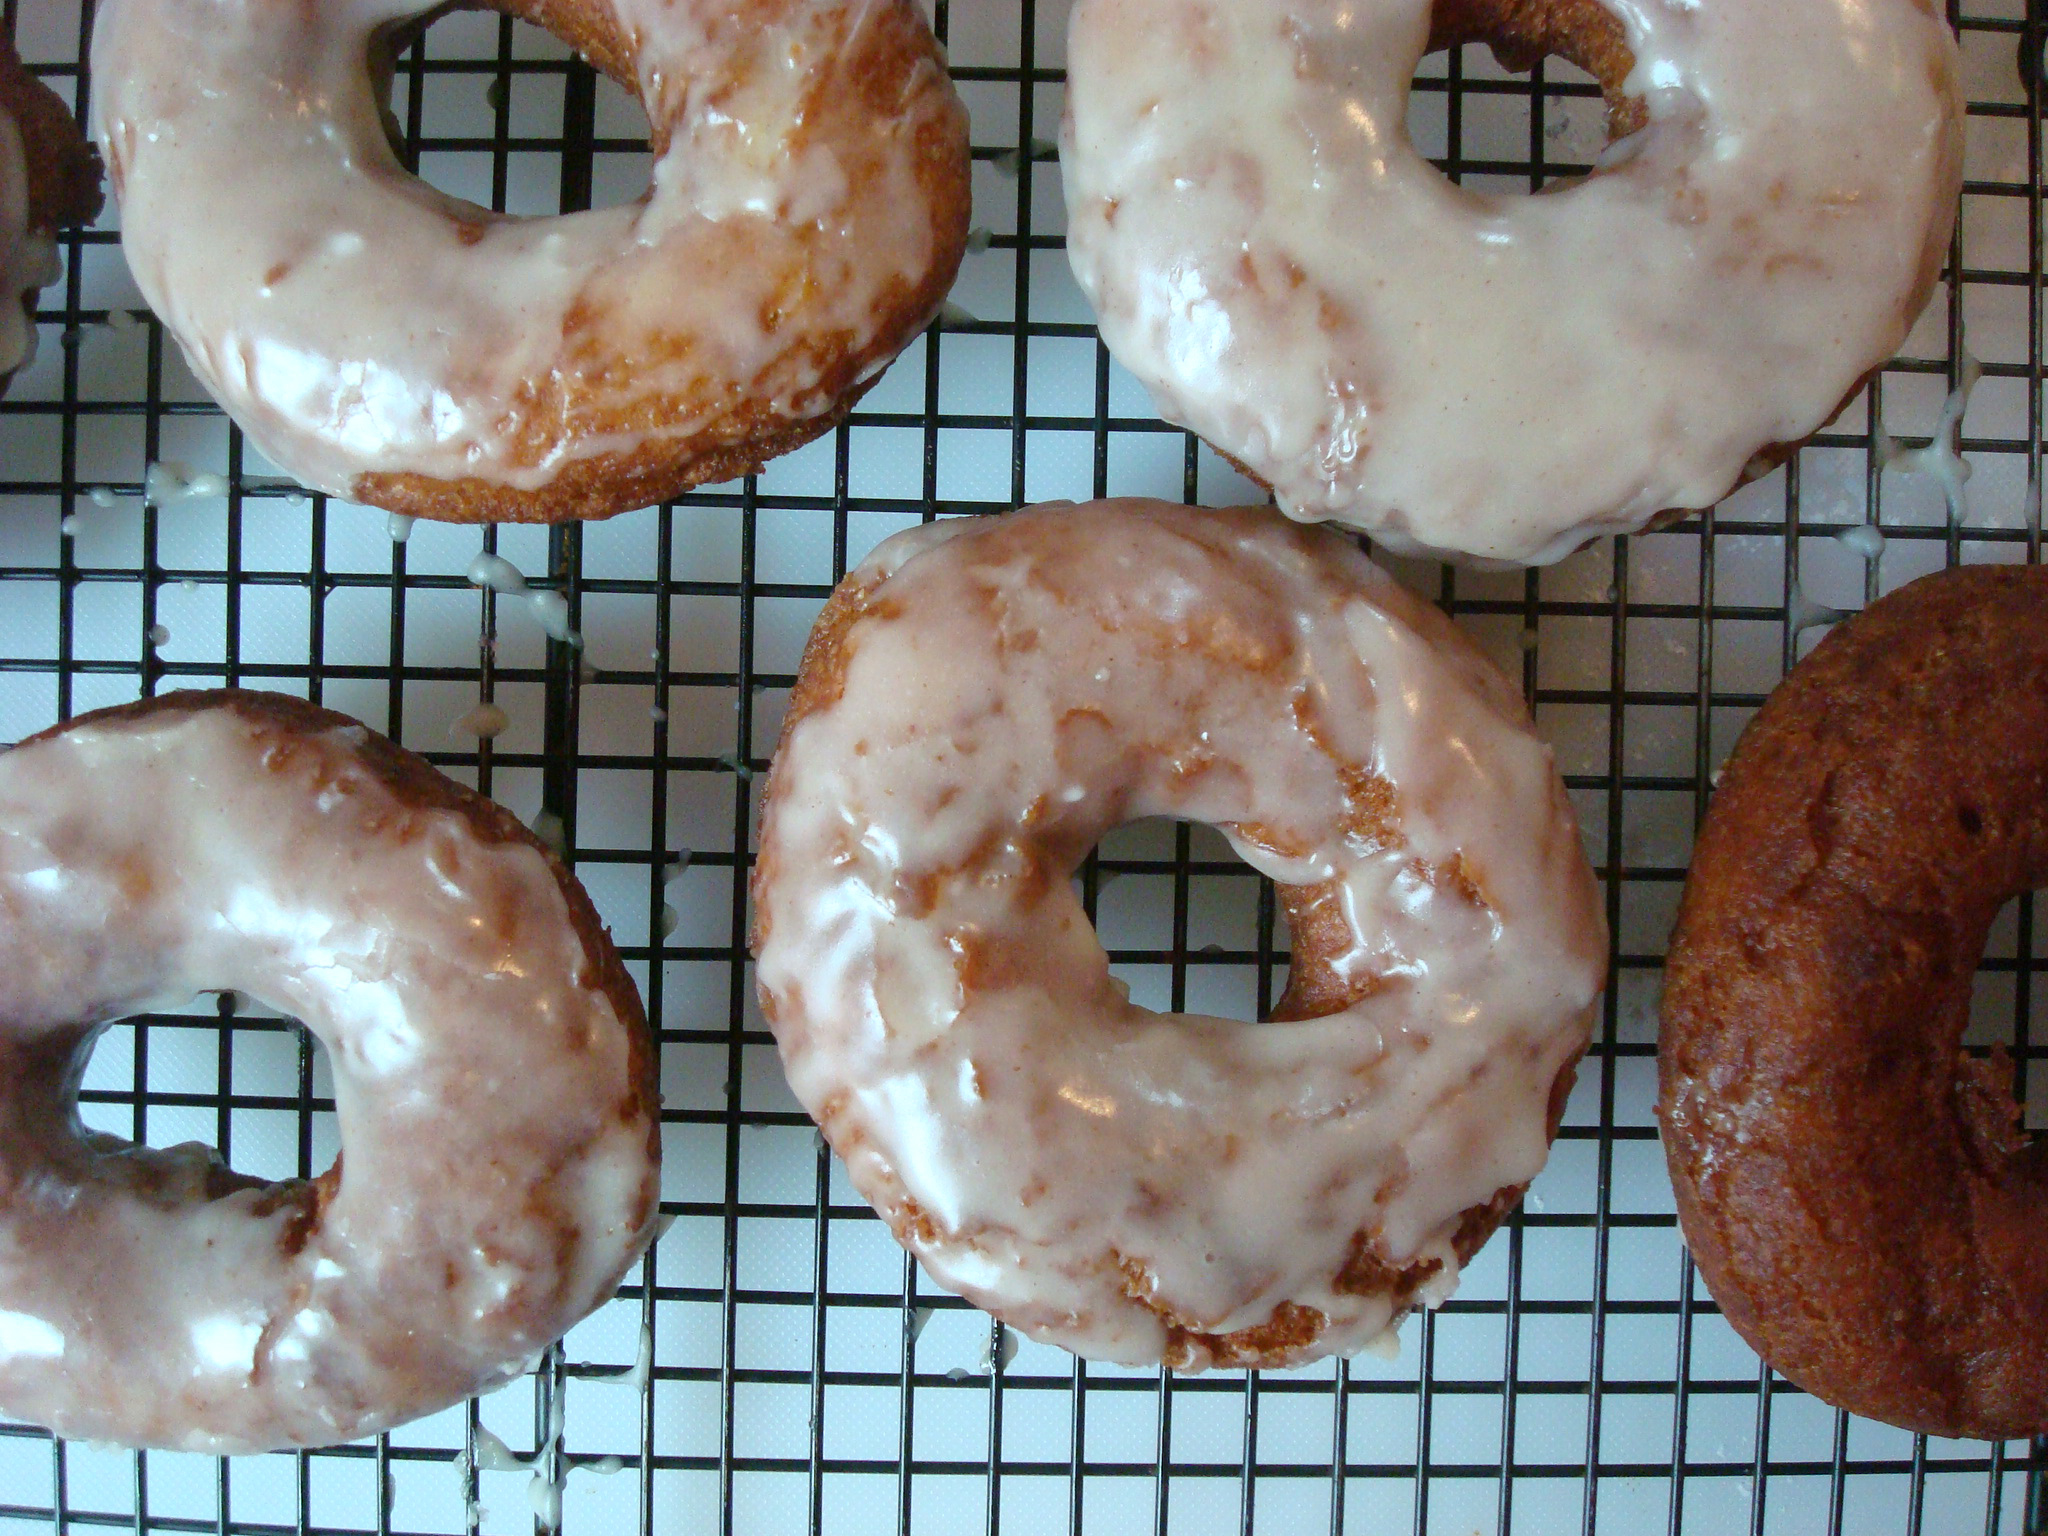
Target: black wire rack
{"points": [[776, 1364]]}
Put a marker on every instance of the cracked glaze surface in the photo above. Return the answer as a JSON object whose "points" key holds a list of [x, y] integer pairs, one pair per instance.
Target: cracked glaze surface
{"points": [[489, 1075], [1497, 375], [984, 700]]}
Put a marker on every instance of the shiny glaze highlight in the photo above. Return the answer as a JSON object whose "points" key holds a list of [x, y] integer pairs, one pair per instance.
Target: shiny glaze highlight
{"points": [[1505, 376], [362, 326], [987, 698], [490, 1077]]}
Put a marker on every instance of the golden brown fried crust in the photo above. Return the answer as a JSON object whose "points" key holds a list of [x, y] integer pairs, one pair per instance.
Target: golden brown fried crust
{"points": [[1283, 1338], [1522, 32], [419, 784], [63, 169], [739, 435], [592, 30], [820, 680], [607, 484], [1857, 1194], [1315, 989]]}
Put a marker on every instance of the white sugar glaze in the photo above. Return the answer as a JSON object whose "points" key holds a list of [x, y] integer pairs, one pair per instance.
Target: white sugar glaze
{"points": [[497, 1173], [354, 320], [1082, 1167], [28, 257], [1495, 375]]}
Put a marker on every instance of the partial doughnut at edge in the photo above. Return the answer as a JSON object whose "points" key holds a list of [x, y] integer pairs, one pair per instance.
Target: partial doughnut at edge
{"points": [[64, 183], [494, 1082], [1858, 1193], [49, 180]]}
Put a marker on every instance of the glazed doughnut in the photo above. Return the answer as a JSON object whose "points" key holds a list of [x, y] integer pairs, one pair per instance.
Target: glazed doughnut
{"points": [[1502, 376], [384, 342], [492, 1068], [1858, 1193], [980, 702], [49, 179]]}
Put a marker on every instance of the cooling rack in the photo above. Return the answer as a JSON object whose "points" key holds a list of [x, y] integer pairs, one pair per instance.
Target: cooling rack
{"points": [[776, 1364]]}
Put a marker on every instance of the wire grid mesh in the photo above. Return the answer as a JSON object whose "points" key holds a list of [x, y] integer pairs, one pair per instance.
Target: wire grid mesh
{"points": [[777, 1364]]}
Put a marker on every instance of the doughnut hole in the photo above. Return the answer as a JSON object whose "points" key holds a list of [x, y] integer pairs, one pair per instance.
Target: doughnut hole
{"points": [[228, 1073], [1189, 927], [443, 125], [2007, 1036], [1549, 127]]}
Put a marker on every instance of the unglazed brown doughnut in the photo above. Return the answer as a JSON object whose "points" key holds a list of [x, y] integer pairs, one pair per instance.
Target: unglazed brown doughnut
{"points": [[383, 342], [982, 700], [1859, 1194], [493, 1080], [49, 180]]}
